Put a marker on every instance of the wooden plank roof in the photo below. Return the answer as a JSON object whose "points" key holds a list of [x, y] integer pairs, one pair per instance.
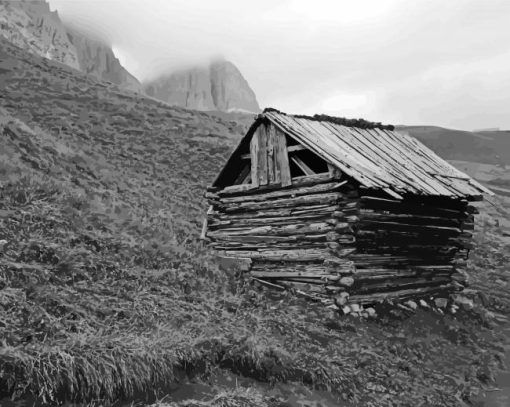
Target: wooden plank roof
{"points": [[378, 157]]}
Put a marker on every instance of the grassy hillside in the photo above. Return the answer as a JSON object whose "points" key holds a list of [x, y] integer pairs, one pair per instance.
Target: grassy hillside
{"points": [[106, 293], [490, 147]]}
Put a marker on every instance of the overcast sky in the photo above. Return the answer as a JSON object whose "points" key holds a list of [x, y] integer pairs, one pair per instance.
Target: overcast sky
{"points": [[441, 62]]}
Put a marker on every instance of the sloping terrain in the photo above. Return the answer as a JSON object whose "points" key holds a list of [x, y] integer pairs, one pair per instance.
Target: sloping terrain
{"points": [[106, 293], [31, 25], [490, 147]]}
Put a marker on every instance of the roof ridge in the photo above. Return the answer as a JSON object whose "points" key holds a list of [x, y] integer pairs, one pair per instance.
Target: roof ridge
{"points": [[359, 123]]}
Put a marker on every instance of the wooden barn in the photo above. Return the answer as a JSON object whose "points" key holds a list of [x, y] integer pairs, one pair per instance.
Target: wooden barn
{"points": [[342, 210]]}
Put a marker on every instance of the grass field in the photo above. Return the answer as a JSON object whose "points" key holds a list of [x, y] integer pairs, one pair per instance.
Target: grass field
{"points": [[106, 293]]}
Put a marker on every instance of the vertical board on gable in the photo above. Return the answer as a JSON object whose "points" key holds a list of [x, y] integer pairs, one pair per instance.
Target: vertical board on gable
{"points": [[282, 157], [272, 146], [262, 155], [270, 155], [254, 155]]}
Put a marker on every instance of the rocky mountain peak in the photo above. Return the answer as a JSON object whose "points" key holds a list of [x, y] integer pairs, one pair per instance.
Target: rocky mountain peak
{"points": [[217, 86], [229, 89], [31, 25], [97, 59]]}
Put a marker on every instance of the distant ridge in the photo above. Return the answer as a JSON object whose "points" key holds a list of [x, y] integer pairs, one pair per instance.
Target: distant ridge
{"points": [[489, 129], [485, 146]]}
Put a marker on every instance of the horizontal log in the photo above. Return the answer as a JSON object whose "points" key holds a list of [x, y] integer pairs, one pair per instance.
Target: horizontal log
{"points": [[413, 248], [423, 200], [293, 274], [234, 189], [347, 210], [401, 283], [414, 219], [218, 223], [291, 255], [408, 290], [368, 260], [315, 286], [263, 247], [329, 265], [269, 284], [284, 193], [328, 282], [316, 281], [443, 246], [279, 230], [363, 280], [374, 224], [319, 210], [345, 239], [318, 297], [296, 182], [304, 200], [400, 207], [413, 259], [401, 238], [271, 244], [296, 238], [305, 287], [290, 269], [283, 255], [316, 267], [346, 205], [404, 269]]}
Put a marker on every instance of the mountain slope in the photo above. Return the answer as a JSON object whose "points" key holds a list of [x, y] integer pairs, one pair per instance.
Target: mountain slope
{"points": [[135, 155], [219, 86], [31, 25], [98, 59]]}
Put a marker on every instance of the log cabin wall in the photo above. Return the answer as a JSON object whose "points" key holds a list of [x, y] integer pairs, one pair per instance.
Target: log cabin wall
{"points": [[342, 214], [411, 247], [298, 237], [296, 230]]}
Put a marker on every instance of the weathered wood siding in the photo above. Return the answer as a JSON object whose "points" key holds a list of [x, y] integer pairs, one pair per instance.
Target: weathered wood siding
{"points": [[411, 247], [297, 237], [269, 158], [328, 238]]}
